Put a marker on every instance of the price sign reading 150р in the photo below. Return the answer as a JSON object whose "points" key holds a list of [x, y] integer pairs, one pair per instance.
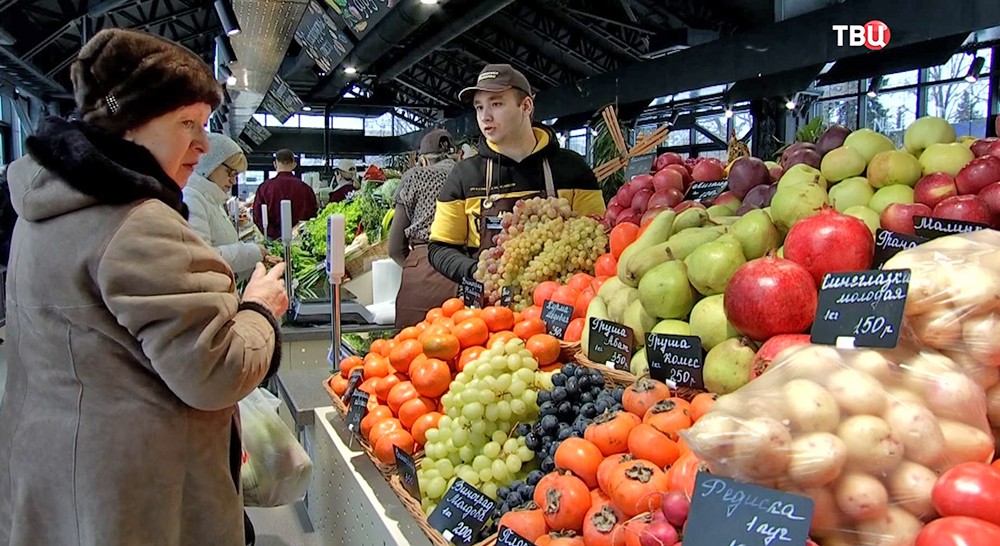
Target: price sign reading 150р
{"points": [[861, 308]]}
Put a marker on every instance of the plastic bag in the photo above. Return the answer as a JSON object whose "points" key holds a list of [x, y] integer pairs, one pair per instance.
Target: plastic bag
{"points": [[864, 433], [276, 470]]}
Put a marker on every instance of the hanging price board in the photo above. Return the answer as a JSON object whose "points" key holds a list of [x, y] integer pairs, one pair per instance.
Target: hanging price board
{"points": [[610, 343], [462, 513], [676, 359], [556, 317], [861, 308], [725, 512], [640, 164], [472, 292], [889, 243], [932, 228]]}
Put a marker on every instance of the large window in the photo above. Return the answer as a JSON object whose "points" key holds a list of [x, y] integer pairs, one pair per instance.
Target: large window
{"points": [[891, 112], [577, 141]]}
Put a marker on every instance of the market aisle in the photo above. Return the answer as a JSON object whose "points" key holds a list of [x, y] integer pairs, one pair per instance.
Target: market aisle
{"points": [[283, 526]]}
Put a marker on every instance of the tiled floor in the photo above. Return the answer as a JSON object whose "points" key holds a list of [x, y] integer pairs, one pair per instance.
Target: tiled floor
{"points": [[282, 526]]}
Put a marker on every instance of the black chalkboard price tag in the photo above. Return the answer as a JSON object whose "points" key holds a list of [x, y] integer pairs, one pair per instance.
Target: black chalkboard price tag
{"points": [[889, 243], [407, 470], [706, 191], [676, 359], [640, 164], [352, 384], [357, 410], [556, 317], [932, 228], [610, 343], [507, 537], [506, 296], [725, 512], [472, 292], [861, 308], [462, 513]]}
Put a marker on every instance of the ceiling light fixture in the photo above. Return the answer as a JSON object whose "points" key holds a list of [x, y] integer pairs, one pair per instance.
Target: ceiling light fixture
{"points": [[307, 109], [729, 111], [790, 104], [350, 70], [429, 2], [977, 66], [224, 49], [874, 86], [227, 16], [228, 74]]}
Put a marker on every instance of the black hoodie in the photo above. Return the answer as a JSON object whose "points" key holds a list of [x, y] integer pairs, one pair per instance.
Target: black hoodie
{"points": [[455, 231]]}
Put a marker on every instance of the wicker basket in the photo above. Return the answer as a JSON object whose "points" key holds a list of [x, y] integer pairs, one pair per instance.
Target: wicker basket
{"points": [[384, 469], [361, 262], [626, 378]]}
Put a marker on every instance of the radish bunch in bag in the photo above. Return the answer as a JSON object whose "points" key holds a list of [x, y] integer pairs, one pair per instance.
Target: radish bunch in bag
{"points": [[864, 433]]}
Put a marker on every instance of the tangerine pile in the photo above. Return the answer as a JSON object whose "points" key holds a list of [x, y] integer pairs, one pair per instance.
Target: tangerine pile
{"points": [[407, 375]]}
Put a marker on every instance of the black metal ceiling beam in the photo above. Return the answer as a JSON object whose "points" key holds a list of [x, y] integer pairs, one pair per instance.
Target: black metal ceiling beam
{"points": [[489, 44], [554, 41], [614, 45], [433, 84], [788, 45]]}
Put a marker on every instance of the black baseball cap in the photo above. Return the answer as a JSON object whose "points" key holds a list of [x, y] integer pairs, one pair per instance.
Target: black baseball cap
{"points": [[496, 78]]}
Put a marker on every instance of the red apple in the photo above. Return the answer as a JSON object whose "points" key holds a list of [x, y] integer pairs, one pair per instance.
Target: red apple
{"points": [[775, 172], [981, 147], [683, 171], [934, 188], [899, 216], [641, 199], [978, 174], [991, 196], [684, 205], [706, 171], [994, 149], [669, 197], [628, 215], [667, 158], [967, 208], [727, 199], [668, 178]]}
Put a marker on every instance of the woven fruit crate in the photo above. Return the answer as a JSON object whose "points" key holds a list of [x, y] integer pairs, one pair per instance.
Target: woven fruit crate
{"points": [[624, 378], [361, 262], [384, 469]]}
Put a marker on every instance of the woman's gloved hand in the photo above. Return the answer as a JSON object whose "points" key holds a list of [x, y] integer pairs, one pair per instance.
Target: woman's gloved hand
{"points": [[267, 288]]}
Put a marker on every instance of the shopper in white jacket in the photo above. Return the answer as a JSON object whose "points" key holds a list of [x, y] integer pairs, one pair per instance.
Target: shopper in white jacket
{"points": [[206, 193]]}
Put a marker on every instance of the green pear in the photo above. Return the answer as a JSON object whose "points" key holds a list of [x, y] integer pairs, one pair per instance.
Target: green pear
{"points": [[728, 366], [665, 291], [619, 303], [866, 215], [673, 327], [868, 143], [851, 192], [712, 264], [610, 288], [639, 365], [689, 218], [794, 203], [708, 321], [894, 167], [598, 309], [842, 163], [716, 211], [756, 234], [685, 242], [638, 320], [802, 174]]}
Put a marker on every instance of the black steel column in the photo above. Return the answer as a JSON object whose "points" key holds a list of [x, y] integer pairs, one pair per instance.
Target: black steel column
{"points": [[768, 133], [326, 139]]}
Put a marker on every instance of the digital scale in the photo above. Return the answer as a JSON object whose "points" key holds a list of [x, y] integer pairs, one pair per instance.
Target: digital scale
{"points": [[318, 311]]}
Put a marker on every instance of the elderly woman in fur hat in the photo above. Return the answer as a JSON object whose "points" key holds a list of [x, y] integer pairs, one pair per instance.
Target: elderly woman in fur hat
{"points": [[206, 193], [128, 346]]}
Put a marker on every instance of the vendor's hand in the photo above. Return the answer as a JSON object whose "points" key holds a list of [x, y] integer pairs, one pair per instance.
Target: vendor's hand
{"points": [[263, 251], [268, 289], [272, 260]]}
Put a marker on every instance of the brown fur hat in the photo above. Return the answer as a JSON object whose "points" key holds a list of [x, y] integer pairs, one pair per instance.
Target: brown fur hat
{"points": [[124, 78]]}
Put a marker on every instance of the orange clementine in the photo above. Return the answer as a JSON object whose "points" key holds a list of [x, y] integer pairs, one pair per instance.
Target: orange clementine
{"points": [[434, 314], [533, 312], [466, 314], [468, 355], [348, 364], [606, 266], [424, 423], [529, 327], [574, 332], [580, 281], [442, 346], [385, 384], [414, 408], [471, 332], [338, 383], [544, 348], [375, 365], [403, 354], [543, 292], [431, 378], [500, 337], [399, 395], [451, 306], [379, 347], [498, 318], [385, 447], [410, 332]]}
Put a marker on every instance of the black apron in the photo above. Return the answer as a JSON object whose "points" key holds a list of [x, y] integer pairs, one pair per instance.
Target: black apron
{"points": [[492, 209]]}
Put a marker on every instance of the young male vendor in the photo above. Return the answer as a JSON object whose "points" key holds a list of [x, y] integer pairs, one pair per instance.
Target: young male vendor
{"points": [[516, 160]]}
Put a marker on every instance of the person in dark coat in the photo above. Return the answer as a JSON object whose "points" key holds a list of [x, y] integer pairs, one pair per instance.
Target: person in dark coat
{"points": [[284, 185]]}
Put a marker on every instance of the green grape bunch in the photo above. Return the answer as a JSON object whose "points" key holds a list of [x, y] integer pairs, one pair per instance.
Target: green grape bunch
{"points": [[475, 440], [541, 240]]}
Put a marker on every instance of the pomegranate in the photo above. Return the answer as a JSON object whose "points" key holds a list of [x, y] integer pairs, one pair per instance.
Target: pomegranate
{"points": [[628, 215], [667, 158], [830, 242], [773, 347], [641, 199], [666, 198], [683, 171], [614, 210], [625, 194], [668, 178], [770, 296], [967, 208]]}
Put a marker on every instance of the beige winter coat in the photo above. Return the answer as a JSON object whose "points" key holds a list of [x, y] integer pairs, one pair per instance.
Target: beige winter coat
{"points": [[127, 352]]}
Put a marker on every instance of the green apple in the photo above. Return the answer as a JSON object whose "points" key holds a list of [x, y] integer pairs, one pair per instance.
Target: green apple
{"points": [[868, 143], [926, 131], [894, 167], [945, 158], [842, 163], [897, 193], [851, 192], [800, 173], [866, 215]]}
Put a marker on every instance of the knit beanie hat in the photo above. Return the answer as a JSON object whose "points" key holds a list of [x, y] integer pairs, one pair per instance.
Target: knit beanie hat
{"points": [[124, 78], [220, 149]]}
